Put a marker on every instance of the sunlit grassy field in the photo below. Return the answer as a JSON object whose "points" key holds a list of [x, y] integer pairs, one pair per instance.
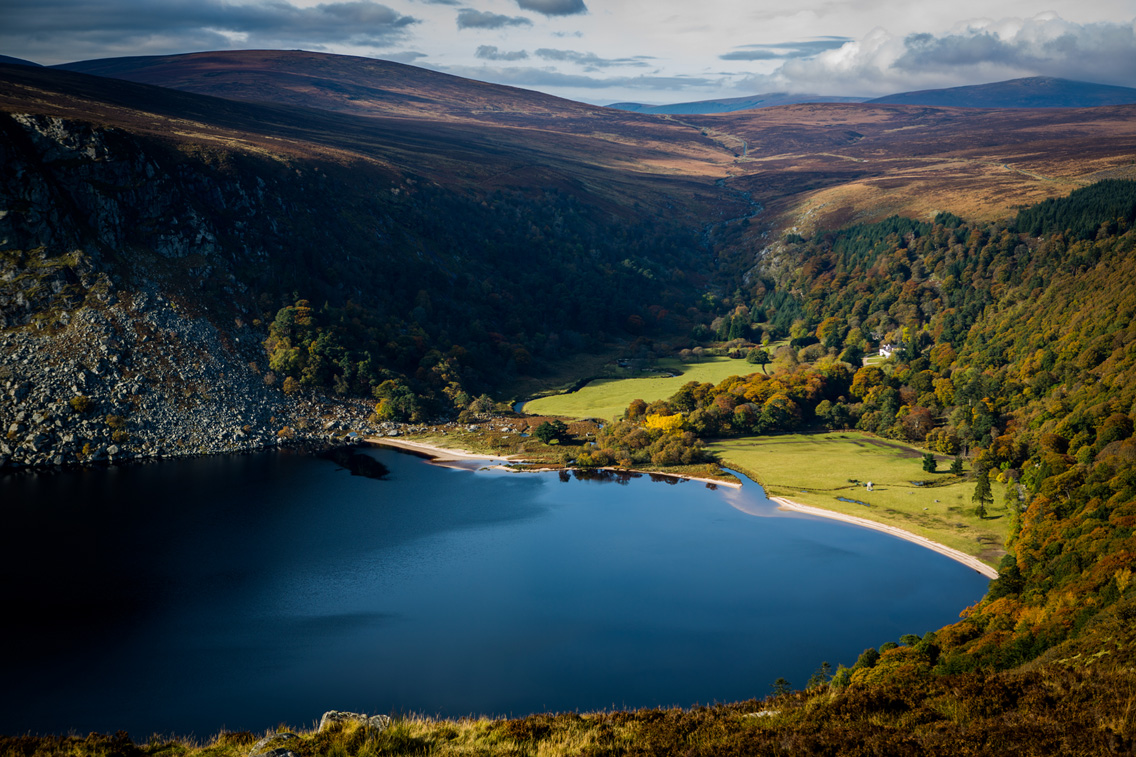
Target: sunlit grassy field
{"points": [[816, 469], [608, 398]]}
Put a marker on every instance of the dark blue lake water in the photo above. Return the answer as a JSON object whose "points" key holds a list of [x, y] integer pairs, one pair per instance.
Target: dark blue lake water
{"points": [[241, 592]]}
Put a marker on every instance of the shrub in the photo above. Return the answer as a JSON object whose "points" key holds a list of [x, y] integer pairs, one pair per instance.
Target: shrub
{"points": [[81, 403]]}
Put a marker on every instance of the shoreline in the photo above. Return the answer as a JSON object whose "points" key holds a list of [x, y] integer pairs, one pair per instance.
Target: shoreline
{"points": [[954, 554], [443, 455]]}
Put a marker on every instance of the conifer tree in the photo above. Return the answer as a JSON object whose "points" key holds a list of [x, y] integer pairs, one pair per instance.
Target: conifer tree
{"points": [[982, 494]]}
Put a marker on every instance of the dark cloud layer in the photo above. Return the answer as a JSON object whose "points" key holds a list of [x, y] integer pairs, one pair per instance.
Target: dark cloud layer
{"points": [[139, 26], [586, 59], [492, 52], [554, 7], [785, 50], [469, 18]]}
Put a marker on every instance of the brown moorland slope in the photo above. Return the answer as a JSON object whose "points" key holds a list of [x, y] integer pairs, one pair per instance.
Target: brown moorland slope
{"points": [[820, 166], [811, 164], [664, 165]]}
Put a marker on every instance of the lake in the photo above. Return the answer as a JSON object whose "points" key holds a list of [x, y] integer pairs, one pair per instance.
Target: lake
{"points": [[244, 591]]}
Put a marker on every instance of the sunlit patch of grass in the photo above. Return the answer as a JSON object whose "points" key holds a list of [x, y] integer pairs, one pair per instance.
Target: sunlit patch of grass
{"points": [[818, 469], [608, 398]]}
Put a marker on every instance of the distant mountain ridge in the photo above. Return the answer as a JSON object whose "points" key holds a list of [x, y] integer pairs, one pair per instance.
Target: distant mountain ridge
{"points": [[732, 104], [1030, 92]]}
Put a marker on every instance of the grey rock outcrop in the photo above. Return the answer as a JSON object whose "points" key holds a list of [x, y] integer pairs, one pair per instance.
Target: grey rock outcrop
{"points": [[333, 718]]}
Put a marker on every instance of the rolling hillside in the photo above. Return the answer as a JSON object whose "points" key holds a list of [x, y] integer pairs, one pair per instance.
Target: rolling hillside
{"points": [[225, 225]]}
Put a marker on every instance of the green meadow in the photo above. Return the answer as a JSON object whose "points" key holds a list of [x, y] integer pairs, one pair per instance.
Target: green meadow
{"points": [[819, 469], [608, 398]]}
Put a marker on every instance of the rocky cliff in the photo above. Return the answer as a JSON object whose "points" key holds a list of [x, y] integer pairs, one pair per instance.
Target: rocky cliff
{"points": [[125, 330]]}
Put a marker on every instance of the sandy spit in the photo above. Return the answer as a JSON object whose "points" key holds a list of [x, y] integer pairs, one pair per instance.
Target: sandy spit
{"points": [[435, 453], [954, 554]]}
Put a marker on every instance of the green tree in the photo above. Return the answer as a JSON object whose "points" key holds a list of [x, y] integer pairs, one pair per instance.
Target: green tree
{"points": [[930, 464], [983, 496], [781, 686], [758, 356], [551, 431], [956, 466]]}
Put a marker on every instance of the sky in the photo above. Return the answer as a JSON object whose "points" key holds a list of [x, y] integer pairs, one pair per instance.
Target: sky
{"points": [[606, 51]]}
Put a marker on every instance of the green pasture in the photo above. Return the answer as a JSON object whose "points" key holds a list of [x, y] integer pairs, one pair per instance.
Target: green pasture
{"points": [[816, 469], [608, 398]]}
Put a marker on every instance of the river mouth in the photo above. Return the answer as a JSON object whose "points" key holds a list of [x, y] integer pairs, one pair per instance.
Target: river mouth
{"points": [[240, 592]]}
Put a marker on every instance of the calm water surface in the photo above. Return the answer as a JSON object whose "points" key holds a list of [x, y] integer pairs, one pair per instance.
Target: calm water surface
{"points": [[241, 592]]}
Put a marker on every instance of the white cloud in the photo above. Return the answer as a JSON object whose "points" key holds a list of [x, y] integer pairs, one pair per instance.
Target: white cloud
{"points": [[971, 53]]}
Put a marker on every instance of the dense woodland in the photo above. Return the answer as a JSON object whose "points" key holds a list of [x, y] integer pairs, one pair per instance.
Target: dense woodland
{"points": [[550, 279], [1015, 345]]}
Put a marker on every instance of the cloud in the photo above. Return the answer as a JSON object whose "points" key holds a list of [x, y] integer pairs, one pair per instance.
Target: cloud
{"points": [[109, 27], [469, 18], [554, 7], [806, 49], [490, 52], [974, 52], [590, 60]]}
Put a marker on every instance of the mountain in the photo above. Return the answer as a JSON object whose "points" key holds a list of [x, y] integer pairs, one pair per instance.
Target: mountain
{"points": [[1031, 92], [350, 84], [881, 159], [446, 257], [731, 104]]}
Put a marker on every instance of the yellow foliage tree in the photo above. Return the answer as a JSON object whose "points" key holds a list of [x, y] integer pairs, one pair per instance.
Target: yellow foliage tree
{"points": [[668, 424]]}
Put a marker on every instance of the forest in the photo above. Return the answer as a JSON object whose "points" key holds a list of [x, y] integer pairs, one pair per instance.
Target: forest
{"points": [[1015, 347], [551, 279]]}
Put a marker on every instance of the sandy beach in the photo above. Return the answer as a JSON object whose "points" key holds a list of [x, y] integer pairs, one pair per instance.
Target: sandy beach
{"points": [[954, 554]]}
